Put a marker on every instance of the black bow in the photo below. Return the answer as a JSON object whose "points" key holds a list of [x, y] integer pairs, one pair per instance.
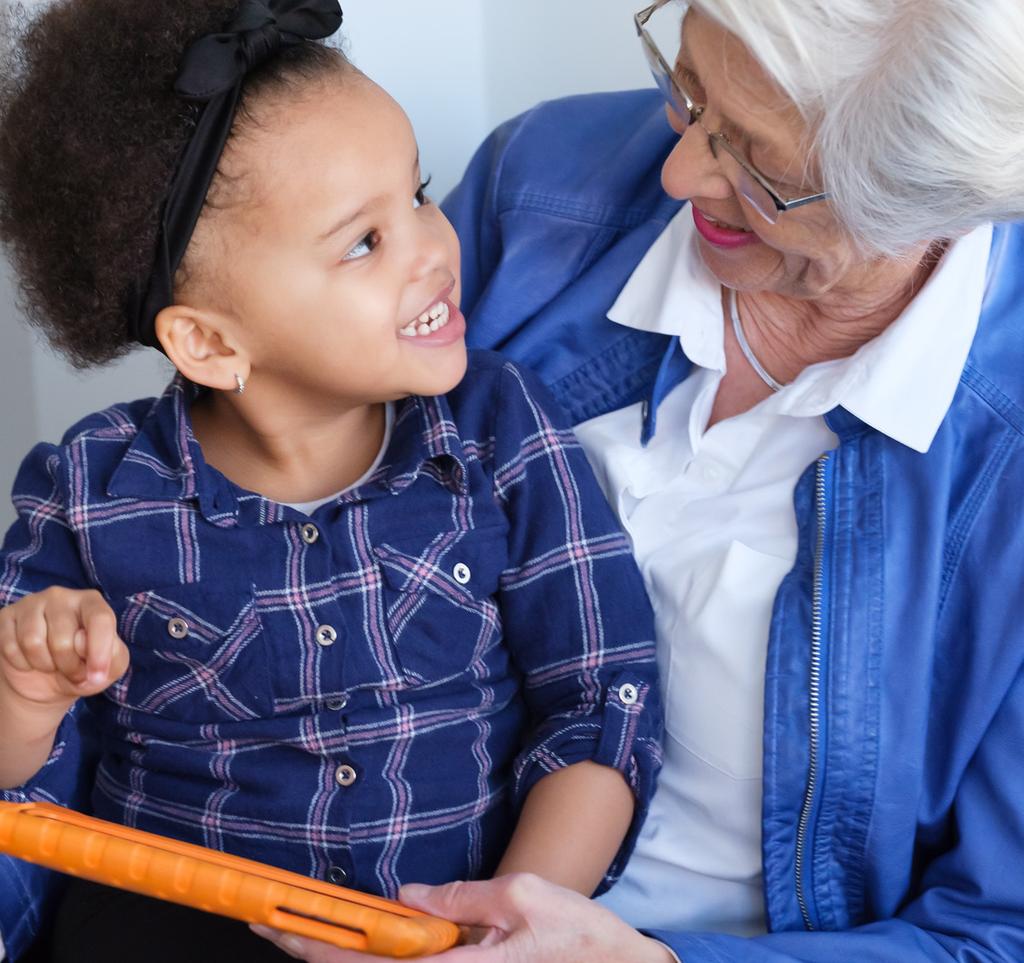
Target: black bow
{"points": [[212, 72], [217, 62]]}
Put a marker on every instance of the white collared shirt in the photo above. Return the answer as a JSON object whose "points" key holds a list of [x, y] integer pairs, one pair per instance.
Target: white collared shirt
{"points": [[711, 519]]}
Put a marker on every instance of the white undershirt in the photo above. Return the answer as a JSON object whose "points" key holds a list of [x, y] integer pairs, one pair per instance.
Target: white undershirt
{"points": [[711, 519], [308, 508]]}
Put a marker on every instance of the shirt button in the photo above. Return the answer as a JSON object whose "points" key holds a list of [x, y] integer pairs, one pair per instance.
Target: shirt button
{"points": [[177, 628], [337, 875], [336, 705], [310, 533], [325, 635], [628, 694], [345, 776], [462, 573]]}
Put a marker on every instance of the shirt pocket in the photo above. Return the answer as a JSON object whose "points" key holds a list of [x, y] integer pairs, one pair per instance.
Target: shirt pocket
{"points": [[439, 598], [198, 654]]}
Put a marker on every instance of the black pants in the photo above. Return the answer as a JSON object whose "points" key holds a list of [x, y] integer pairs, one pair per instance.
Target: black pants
{"points": [[97, 924]]}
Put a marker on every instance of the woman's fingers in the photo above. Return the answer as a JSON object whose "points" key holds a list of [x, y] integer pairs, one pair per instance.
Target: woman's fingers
{"points": [[310, 950], [487, 903]]}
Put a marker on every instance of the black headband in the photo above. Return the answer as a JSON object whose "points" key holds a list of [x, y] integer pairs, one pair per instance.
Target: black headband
{"points": [[212, 73]]}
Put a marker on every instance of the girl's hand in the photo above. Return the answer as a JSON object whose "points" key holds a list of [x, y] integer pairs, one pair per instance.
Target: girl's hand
{"points": [[517, 919], [59, 645]]}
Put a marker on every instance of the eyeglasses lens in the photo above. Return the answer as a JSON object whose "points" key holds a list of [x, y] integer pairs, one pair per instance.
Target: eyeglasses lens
{"points": [[665, 84], [746, 185]]}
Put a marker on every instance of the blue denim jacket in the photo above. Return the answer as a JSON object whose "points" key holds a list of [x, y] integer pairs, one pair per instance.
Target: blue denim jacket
{"points": [[893, 812]]}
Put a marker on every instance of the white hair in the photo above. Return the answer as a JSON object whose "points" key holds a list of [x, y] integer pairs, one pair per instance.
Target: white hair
{"points": [[916, 106]]}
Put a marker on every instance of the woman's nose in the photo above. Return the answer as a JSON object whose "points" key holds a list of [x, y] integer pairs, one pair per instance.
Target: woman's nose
{"points": [[691, 170]]}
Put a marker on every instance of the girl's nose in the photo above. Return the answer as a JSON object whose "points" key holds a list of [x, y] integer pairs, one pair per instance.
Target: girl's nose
{"points": [[432, 251], [691, 170]]}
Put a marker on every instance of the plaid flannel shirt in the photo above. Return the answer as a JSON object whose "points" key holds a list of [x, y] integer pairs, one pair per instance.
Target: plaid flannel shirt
{"points": [[368, 694]]}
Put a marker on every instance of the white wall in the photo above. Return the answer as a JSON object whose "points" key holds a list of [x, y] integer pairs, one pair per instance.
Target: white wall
{"points": [[457, 68]]}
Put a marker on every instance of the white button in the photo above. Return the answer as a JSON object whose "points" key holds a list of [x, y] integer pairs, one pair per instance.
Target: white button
{"points": [[310, 533], [628, 694], [325, 635], [345, 776], [177, 628], [710, 473], [462, 573], [336, 705]]}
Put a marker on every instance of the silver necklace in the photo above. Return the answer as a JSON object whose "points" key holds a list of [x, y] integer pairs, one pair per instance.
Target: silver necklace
{"points": [[748, 352]]}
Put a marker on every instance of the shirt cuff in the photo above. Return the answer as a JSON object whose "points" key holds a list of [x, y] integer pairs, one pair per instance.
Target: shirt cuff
{"points": [[622, 732]]}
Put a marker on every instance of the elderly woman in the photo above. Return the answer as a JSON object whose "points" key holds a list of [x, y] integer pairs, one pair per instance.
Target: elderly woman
{"points": [[806, 402]]}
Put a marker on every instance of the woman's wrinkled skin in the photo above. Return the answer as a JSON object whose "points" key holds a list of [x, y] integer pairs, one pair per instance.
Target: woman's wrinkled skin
{"points": [[807, 293]]}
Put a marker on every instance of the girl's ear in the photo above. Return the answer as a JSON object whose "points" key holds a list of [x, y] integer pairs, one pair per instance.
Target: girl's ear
{"points": [[200, 347]]}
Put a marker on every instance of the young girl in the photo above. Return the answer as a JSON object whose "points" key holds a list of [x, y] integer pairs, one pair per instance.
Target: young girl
{"points": [[340, 602]]}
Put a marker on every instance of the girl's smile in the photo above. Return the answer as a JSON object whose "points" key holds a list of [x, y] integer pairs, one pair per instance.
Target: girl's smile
{"points": [[439, 325]]}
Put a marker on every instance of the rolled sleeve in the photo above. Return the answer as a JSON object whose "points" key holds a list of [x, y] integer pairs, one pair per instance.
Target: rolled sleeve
{"points": [[574, 609], [622, 731]]}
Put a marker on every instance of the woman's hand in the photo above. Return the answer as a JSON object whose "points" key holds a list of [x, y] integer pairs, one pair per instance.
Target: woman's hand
{"points": [[513, 919], [59, 645]]}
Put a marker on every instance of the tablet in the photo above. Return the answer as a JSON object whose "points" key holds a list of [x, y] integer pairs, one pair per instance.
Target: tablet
{"points": [[216, 882]]}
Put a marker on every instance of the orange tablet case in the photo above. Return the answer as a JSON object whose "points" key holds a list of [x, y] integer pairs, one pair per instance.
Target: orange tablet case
{"points": [[208, 880]]}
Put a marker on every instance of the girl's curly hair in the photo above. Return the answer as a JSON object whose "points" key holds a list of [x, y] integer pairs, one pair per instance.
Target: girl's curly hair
{"points": [[90, 132]]}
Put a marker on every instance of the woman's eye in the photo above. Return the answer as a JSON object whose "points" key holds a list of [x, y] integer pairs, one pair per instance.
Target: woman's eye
{"points": [[366, 246], [420, 198], [690, 83]]}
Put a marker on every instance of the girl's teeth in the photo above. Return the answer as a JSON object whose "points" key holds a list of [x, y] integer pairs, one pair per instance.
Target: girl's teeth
{"points": [[428, 322]]}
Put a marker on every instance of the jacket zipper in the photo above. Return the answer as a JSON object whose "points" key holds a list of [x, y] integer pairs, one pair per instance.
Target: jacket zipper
{"points": [[814, 699]]}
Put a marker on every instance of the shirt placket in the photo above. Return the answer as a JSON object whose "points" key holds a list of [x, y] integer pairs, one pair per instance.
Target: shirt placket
{"points": [[326, 638]]}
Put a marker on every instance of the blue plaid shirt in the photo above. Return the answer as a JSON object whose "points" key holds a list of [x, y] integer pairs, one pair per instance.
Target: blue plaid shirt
{"points": [[365, 695]]}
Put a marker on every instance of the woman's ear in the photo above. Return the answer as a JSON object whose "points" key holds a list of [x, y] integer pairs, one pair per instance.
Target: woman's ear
{"points": [[200, 346]]}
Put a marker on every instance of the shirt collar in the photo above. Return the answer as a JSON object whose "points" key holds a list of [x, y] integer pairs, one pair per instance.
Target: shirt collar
{"points": [[901, 383], [165, 462], [425, 441]]}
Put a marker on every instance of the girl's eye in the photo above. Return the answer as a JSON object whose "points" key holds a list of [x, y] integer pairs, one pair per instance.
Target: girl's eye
{"points": [[363, 248], [420, 198]]}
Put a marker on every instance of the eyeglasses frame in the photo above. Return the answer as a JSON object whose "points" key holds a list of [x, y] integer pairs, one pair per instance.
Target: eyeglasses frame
{"points": [[692, 112]]}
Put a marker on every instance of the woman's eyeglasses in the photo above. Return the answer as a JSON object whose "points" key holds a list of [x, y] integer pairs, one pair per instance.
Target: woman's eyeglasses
{"points": [[752, 185]]}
